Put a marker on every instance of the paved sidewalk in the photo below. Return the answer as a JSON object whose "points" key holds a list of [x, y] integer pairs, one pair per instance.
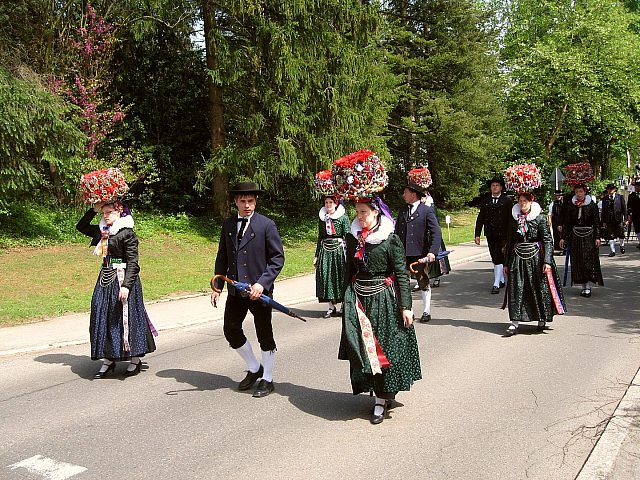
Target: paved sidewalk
{"points": [[73, 329]]}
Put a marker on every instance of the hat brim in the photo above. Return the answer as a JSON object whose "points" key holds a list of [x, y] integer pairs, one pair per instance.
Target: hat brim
{"points": [[496, 180], [414, 187], [244, 192]]}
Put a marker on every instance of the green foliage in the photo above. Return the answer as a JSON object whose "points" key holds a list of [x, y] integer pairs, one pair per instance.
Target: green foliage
{"points": [[450, 116], [34, 138]]}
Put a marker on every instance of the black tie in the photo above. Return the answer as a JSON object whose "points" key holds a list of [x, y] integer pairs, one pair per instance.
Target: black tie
{"points": [[495, 200], [409, 208], [243, 223]]}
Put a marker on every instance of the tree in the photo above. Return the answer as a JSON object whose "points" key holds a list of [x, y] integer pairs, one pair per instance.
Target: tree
{"points": [[573, 70], [450, 115]]}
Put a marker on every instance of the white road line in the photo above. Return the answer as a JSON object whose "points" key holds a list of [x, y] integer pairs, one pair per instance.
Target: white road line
{"points": [[49, 468]]}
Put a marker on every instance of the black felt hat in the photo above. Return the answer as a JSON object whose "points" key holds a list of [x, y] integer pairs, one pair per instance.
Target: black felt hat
{"points": [[610, 186], [496, 180], [245, 188], [416, 188]]}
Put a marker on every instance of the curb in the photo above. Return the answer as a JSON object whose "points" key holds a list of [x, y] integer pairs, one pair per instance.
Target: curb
{"points": [[601, 460]]}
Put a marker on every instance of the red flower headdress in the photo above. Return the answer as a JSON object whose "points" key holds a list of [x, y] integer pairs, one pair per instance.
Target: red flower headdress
{"points": [[359, 175], [420, 176], [324, 184], [522, 178], [579, 173], [103, 186]]}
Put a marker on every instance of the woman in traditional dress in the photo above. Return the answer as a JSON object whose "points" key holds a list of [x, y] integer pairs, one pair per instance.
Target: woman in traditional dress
{"points": [[534, 293], [581, 234], [378, 337], [333, 226], [119, 327]]}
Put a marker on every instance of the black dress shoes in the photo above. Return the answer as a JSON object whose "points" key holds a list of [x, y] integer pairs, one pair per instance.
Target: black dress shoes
{"points": [[250, 379], [501, 284], [330, 313], [263, 389], [135, 371], [436, 283], [495, 290], [612, 254], [425, 318], [621, 249], [376, 419], [102, 374]]}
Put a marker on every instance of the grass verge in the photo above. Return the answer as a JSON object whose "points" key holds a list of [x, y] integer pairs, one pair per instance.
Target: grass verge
{"points": [[45, 277]]}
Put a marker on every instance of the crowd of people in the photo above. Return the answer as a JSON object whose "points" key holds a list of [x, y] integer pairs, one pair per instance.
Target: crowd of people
{"points": [[364, 269]]}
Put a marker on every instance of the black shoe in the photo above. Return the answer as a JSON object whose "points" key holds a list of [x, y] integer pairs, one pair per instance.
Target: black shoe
{"points": [[501, 284], [425, 318], [336, 313], [638, 246], [621, 249], [612, 254], [250, 379], [511, 332], [263, 389], [330, 313], [583, 293], [376, 419], [541, 326], [110, 368], [495, 290], [587, 293], [436, 283], [135, 371], [416, 288]]}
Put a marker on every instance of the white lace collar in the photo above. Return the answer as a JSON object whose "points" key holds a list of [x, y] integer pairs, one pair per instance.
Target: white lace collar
{"points": [[335, 215], [386, 229], [428, 200], [536, 209], [119, 224], [587, 200]]}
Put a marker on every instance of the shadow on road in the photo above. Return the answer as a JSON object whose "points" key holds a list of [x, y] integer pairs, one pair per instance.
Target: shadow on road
{"points": [[81, 365], [335, 406]]}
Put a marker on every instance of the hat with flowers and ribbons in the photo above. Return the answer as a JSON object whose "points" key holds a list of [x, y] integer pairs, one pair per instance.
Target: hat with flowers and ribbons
{"points": [[523, 178], [359, 175], [577, 173], [103, 186], [420, 176], [324, 184]]}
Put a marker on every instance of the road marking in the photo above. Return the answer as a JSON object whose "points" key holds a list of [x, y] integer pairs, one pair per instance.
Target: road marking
{"points": [[49, 468]]}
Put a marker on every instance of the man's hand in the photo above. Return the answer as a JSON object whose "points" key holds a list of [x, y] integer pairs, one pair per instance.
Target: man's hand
{"points": [[428, 259], [562, 243], [255, 291], [598, 243], [477, 240], [214, 298], [407, 316], [124, 294], [546, 268], [505, 270], [315, 261]]}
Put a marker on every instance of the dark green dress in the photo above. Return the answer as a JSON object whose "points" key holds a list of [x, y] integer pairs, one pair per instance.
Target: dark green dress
{"points": [[381, 301], [330, 252], [581, 229], [529, 293]]}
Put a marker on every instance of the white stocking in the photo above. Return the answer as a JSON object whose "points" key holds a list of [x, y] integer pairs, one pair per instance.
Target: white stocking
{"points": [[246, 352], [496, 276], [426, 301], [612, 245], [268, 360]]}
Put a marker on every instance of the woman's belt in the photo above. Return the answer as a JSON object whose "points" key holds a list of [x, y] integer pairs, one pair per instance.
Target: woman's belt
{"points": [[330, 244], [366, 287], [526, 250]]}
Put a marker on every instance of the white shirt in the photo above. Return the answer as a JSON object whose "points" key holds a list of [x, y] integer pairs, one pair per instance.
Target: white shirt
{"points": [[245, 225], [414, 205]]}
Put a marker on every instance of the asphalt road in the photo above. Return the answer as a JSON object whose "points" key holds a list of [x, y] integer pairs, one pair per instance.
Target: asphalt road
{"points": [[488, 407]]}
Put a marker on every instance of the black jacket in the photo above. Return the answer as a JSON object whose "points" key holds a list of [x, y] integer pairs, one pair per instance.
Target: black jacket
{"points": [[494, 218], [123, 244], [420, 233]]}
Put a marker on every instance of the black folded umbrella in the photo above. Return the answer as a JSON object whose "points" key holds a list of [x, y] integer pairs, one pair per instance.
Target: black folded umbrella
{"points": [[245, 287]]}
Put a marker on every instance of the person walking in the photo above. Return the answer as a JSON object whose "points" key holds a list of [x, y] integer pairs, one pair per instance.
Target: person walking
{"points": [[556, 219], [633, 209], [581, 235], [378, 338], [420, 233], [250, 251], [493, 217], [329, 260], [119, 327], [614, 218]]}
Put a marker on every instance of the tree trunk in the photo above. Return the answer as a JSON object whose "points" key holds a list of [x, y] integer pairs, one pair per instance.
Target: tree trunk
{"points": [[220, 183], [57, 184]]}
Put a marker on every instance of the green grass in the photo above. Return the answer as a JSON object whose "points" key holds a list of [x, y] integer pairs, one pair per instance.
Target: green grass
{"points": [[48, 269]]}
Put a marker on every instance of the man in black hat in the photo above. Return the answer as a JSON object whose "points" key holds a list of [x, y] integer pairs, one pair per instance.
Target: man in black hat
{"points": [[495, 210], [418, 228], [614, 217], [249, 251], [555, 217]]}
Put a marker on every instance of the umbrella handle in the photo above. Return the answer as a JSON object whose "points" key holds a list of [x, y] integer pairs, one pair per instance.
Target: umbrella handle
{"points": [[413, 270], [214, 278]]}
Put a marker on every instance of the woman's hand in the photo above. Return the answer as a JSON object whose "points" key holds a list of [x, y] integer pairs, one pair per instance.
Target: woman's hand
{"points": [[598, 242], [505, 271], [214, 298], [407, 316], [315, 261], [98, 207], [124, 294], [546, 268], [562, 243]]}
